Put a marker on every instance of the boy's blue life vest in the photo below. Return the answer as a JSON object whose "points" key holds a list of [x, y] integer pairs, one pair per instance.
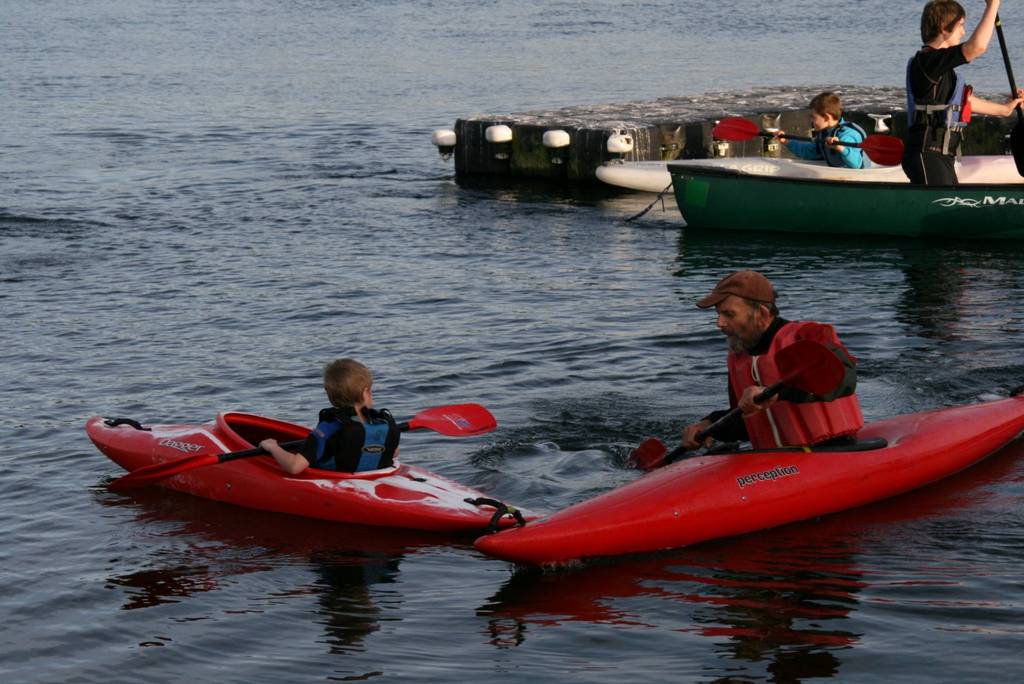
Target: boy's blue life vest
{"points": [[945, 118], [376, 429], [831, 157]]}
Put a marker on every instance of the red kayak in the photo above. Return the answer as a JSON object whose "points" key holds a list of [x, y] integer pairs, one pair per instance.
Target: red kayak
{"points": [[708, 497], [401, 496]]}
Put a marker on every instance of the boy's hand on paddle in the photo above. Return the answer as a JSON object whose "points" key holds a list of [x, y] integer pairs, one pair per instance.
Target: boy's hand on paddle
{"points": [[835, 144]]}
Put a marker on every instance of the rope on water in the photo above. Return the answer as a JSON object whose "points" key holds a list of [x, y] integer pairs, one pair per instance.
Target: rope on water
{"points": [[661, 197]]}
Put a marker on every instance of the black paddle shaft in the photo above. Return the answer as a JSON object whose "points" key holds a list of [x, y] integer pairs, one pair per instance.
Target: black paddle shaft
{"points": [[256, 451], [1009, 69], [804, 138]]}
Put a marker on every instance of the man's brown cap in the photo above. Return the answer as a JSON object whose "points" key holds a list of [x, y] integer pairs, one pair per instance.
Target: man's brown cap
{"points": [[746, 284]]}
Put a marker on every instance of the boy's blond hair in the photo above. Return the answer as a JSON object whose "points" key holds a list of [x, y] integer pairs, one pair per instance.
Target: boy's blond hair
{"points": [[827, 103], [345, 380]]}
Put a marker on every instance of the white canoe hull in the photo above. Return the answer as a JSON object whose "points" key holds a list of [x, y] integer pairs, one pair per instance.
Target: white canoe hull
{"points": [[653, 176]]}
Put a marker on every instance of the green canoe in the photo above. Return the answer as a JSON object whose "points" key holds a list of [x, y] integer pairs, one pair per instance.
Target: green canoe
{"points": [[793, 196]]}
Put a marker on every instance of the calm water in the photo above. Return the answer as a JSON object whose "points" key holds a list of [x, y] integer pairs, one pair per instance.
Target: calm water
{"points": [[202, 202]]}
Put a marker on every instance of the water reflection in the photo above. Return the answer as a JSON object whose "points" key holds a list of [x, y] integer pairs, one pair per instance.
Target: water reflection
{"points": [[933, 286], [781, 605], [526, 191], [778, 599], [933, 301], [191, 546], [148, 588], [345, 600], [945, 287]]}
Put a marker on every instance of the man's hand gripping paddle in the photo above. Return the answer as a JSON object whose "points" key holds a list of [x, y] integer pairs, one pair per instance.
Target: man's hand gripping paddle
{"points": [[805, 365]]}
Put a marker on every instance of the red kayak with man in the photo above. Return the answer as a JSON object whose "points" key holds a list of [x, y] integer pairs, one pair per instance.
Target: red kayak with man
{"points": [[748, 316]]}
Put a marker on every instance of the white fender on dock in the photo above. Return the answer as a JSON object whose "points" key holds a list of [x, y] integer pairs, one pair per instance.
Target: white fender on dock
{"points": [[556, 139], [499, 133], [445, 140], [443, 137]]}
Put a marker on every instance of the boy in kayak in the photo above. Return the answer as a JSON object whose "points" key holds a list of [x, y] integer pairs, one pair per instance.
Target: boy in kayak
{"points": [[750, 321], [831, 130], [351, 436], [939, 103]]}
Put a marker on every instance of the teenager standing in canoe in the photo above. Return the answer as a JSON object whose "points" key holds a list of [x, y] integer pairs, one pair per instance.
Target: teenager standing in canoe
{"points": [[939, 102], [750, 321]]}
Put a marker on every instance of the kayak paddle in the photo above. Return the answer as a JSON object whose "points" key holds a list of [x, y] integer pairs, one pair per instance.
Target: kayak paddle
{"points": [[806, 365], [456, 420], [881, 149], [1017, 135]]}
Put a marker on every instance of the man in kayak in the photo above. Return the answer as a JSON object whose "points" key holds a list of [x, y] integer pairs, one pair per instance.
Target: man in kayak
{"points": [[750, 321], [939, 103], [351, 436], [831, 130]]}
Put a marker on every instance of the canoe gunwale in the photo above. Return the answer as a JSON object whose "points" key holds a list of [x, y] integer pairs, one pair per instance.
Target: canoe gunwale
{"points": [[696, 171]]}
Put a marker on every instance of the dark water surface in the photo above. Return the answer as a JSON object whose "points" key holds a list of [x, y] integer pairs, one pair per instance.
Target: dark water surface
{"points": [[202, 202]]}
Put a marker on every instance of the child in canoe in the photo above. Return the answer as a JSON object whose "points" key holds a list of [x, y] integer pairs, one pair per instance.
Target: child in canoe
{"points": [[351, 436], [831, 130]]}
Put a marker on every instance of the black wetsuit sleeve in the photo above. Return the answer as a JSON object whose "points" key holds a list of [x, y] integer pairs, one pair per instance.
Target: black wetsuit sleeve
{"points": [[308, 449], [932, 66], [733, 430], [937, 62]]}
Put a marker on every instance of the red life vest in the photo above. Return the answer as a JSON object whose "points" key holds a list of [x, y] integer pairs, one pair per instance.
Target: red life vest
{"points": [[787, 423]]}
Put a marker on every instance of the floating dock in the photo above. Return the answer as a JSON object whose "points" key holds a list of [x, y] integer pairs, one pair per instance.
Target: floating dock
{"points": [[567, 145]]}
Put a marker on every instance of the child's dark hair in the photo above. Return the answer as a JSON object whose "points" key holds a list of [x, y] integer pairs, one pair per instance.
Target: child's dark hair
{"points": [[827, 103], [345, 380]]}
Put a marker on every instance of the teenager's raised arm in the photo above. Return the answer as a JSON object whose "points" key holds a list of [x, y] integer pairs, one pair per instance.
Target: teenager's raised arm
{"points": [[977, 44]]}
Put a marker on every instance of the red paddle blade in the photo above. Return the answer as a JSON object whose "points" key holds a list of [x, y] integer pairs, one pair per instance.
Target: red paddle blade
{"points": [[735, 129], [811, 367], [883, 149], [648, 455], [457, 420], [151, 474]]}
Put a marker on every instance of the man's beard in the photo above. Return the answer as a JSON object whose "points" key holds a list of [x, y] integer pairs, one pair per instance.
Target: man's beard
{"points": [[738, 345]]}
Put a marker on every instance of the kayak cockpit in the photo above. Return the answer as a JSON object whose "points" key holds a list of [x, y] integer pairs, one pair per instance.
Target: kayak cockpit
{"points": [[250, 429]]}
